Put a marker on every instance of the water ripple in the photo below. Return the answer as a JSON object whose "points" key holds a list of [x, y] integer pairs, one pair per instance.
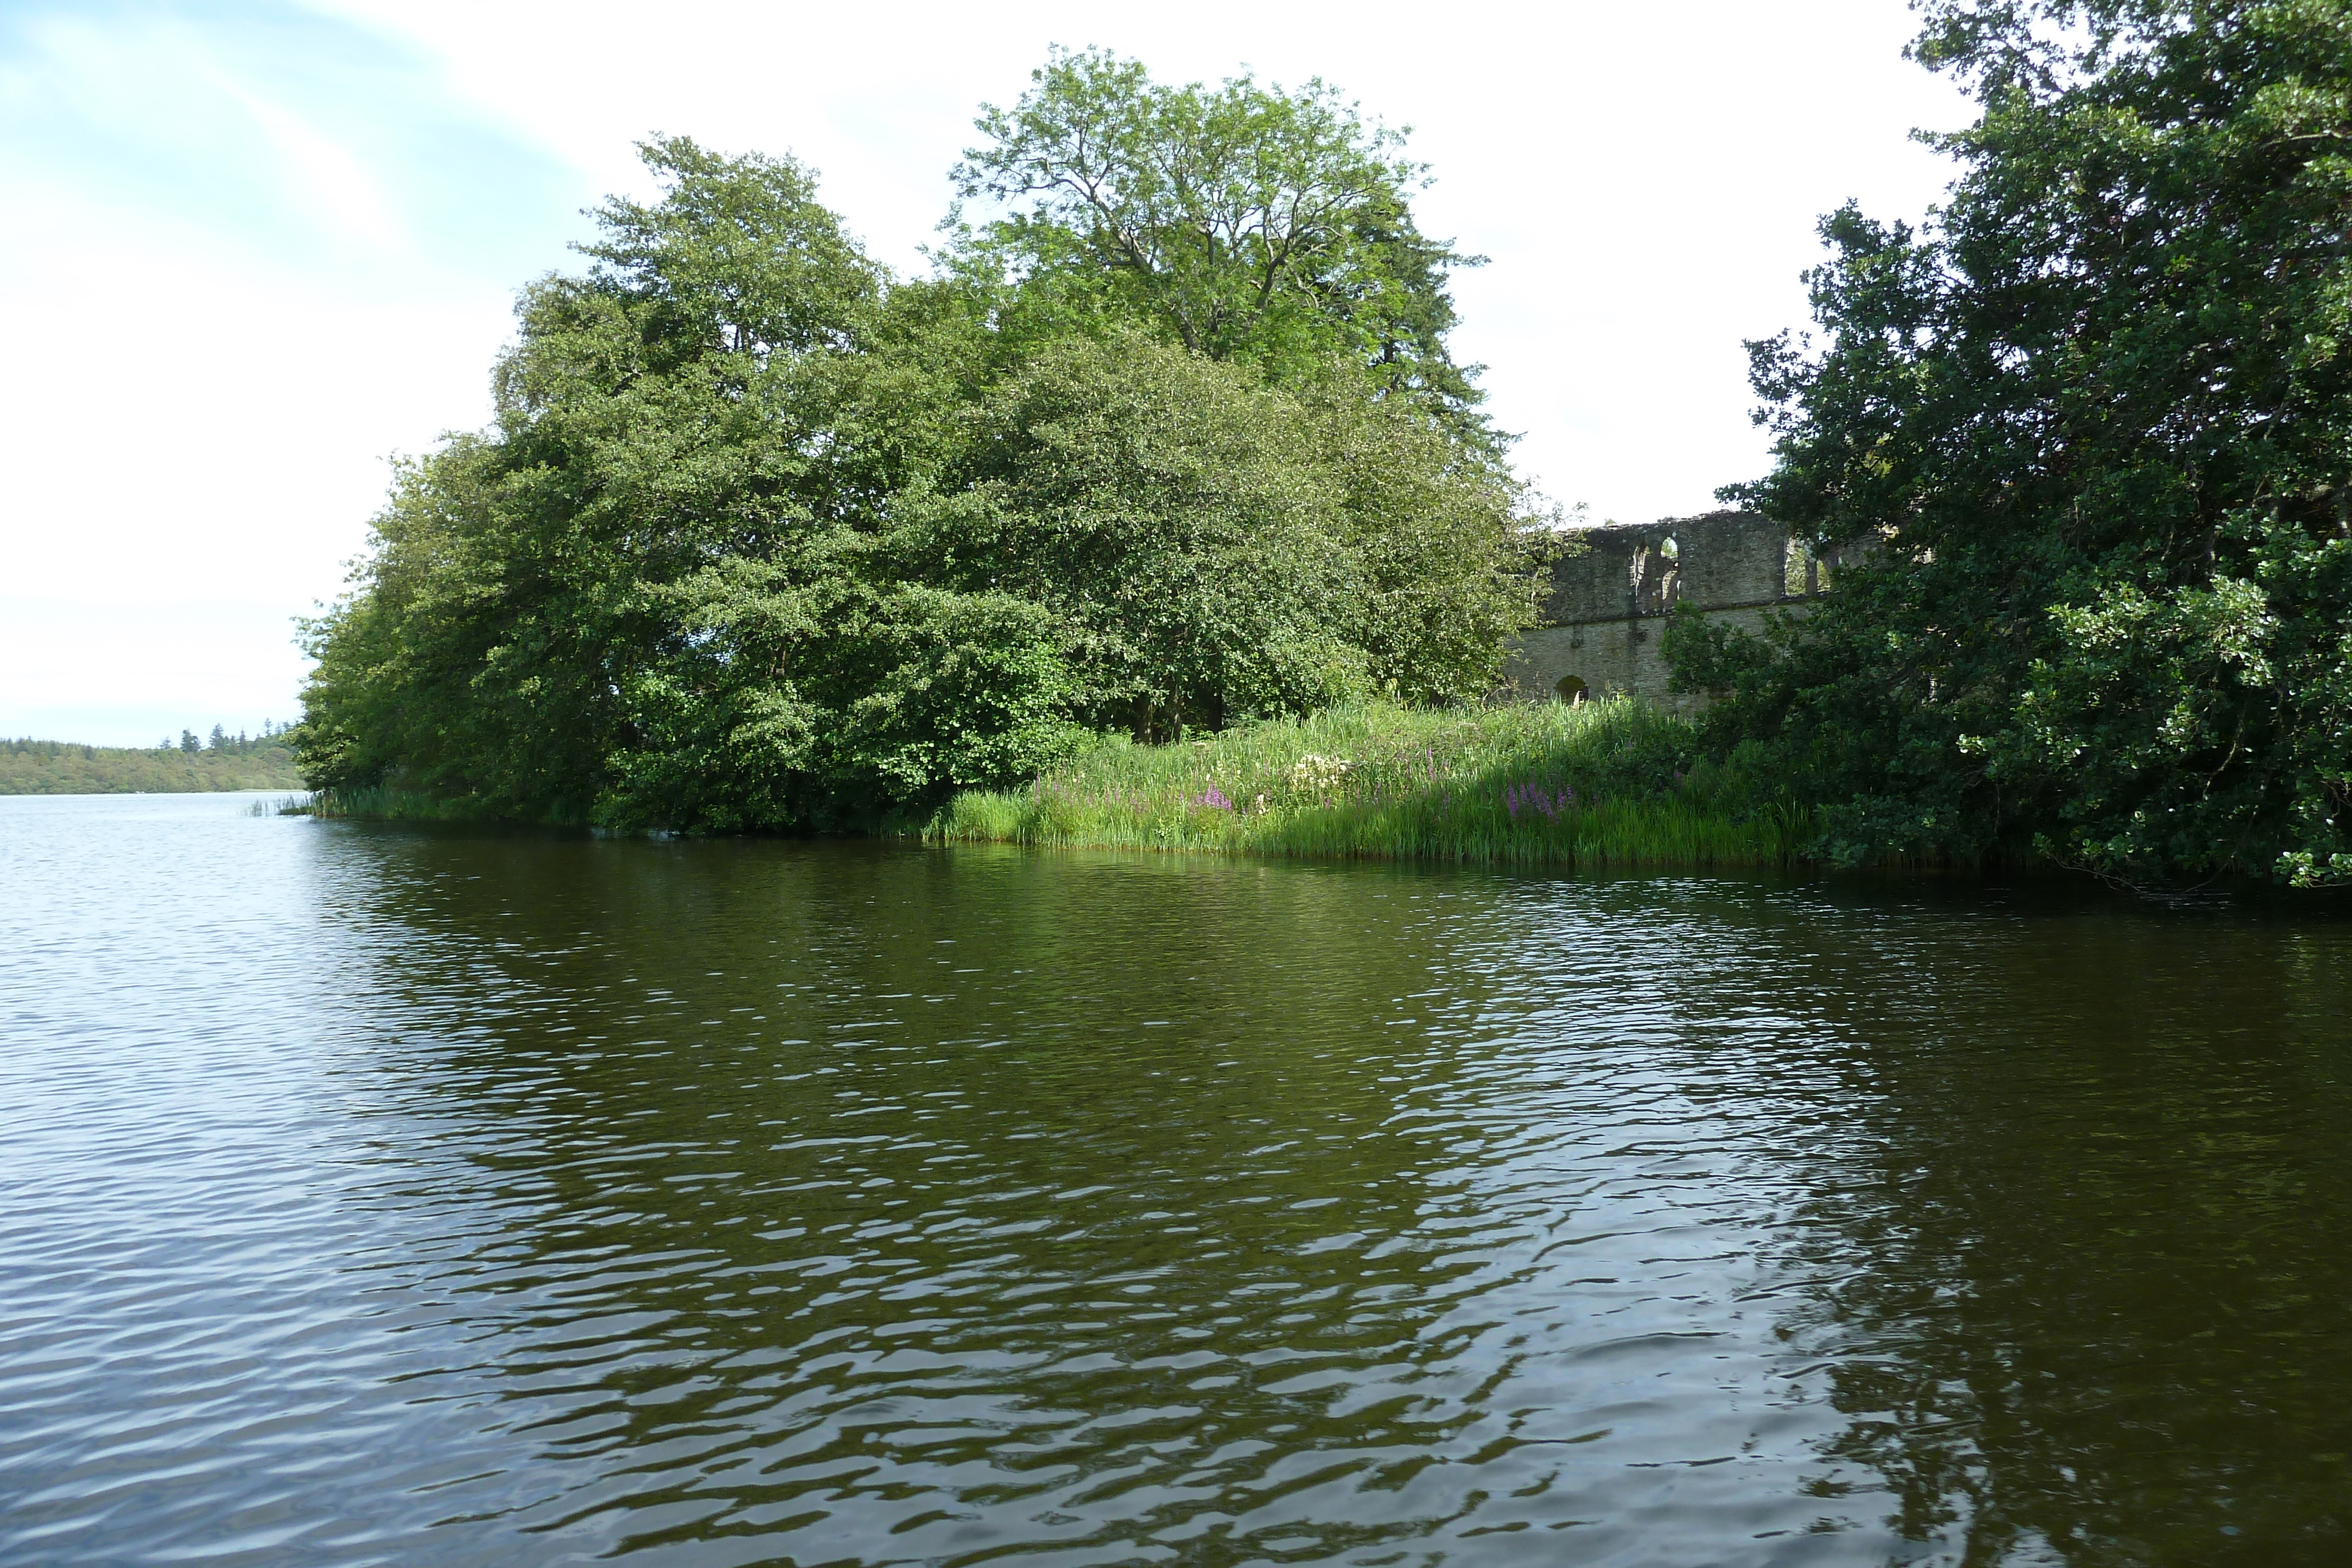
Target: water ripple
{"points": [[380, 1197]]}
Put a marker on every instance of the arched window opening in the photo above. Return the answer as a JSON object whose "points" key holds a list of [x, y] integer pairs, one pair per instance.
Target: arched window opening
{"points": [[1808, 570], [1571, 689]]}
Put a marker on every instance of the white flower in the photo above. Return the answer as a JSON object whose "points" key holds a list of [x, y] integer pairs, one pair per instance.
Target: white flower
{"points": [[1314, 772]]}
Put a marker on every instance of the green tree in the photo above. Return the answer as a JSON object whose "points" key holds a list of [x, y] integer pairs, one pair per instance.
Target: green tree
{"points": [[1269, 227], [1223, 549], [664, 412], [1119, 536], [763, 537], [2081, 444]]}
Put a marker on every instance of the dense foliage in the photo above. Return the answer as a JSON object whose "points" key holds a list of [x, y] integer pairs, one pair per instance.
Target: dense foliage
{"points": [[765, 537], [2084, 445]]}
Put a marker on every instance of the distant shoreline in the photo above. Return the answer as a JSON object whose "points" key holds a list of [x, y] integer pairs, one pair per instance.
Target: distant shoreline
{"points": [[65, 768]]}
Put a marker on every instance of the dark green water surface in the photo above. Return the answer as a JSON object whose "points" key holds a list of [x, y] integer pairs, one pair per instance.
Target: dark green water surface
{"points": [[379, 1196]]}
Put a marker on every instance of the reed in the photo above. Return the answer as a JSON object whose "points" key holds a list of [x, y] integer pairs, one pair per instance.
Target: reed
{"points": [[1601, 784], [383, 802]]}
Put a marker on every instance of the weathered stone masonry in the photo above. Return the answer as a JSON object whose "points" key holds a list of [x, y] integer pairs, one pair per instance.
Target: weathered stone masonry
{"points": [[1602, 624]]}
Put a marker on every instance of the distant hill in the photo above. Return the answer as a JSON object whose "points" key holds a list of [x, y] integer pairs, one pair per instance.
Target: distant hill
{"points": [[61, 767]]}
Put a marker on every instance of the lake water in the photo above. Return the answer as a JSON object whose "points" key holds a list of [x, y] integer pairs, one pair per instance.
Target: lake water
{"points": [[372, 1194]]}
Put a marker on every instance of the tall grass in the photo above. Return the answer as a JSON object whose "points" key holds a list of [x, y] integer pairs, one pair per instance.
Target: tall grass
{"points": [[1602, 784], [383, 802]]}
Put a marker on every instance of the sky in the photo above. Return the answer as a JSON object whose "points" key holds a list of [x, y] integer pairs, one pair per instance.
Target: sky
{"points": [[261, 246]]}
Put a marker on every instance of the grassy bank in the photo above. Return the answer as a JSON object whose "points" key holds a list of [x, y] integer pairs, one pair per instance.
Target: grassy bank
{"points": [[1602, 784], [63, 768]]}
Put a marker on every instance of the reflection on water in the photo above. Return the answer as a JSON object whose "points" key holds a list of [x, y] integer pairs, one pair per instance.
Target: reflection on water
{"points": [[381, 1195]]}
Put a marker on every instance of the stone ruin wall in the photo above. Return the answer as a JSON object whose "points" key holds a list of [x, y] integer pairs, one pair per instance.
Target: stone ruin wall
{"points": [[1602, 624]]}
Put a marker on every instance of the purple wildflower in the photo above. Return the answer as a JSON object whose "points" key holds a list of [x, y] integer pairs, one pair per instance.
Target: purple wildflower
{"points": [[1534, 797], [1214, 796]]}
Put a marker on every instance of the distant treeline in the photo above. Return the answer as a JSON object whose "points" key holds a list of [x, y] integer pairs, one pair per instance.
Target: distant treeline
{"points": [[184, 765]]}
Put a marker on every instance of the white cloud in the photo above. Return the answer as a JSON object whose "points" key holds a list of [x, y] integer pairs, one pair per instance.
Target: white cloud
{"points": [[224, 324], [329, 178], [193, 447]]}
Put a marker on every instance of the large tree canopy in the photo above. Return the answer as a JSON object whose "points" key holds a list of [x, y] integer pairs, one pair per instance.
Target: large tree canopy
{"points": [[762, 536], [2084, 445], [1254, 225]]}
